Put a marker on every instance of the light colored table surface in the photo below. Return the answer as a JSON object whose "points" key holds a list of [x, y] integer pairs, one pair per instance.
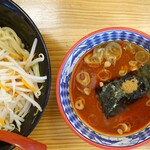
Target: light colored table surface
{"points": [[62, 23]]}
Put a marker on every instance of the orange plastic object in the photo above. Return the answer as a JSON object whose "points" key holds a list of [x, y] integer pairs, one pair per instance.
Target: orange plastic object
{"points": [[20, 141]]}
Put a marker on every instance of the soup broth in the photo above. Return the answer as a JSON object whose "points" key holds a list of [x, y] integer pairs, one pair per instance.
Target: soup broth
{"points": [[101, 65]]}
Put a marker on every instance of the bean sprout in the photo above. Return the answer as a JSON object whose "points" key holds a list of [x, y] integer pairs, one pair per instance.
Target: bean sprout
{"points": [[19, 79]]}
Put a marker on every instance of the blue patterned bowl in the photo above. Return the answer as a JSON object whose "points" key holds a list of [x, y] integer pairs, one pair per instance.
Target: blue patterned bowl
{"points": [[63, 81]]}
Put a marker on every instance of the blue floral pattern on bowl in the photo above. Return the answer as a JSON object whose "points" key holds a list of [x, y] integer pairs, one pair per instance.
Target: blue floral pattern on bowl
{"points": [[83, 47]]}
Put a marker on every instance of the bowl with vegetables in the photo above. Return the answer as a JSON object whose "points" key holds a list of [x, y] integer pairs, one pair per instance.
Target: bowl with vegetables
{"points": [[103, 87], [24, 72]]}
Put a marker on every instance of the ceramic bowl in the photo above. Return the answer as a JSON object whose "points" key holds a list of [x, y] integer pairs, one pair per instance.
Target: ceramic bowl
{"points": [[11, 15], [63, 82]]}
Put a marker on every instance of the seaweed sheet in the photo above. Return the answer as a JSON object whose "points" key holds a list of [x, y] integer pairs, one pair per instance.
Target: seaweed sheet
{"points": [[114, 100]]}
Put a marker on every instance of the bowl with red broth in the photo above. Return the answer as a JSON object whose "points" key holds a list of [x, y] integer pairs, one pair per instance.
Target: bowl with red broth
{"points": [[103, 88]]}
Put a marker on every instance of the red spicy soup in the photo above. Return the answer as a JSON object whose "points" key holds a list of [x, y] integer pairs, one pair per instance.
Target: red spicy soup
{"points": [[100, 65]]}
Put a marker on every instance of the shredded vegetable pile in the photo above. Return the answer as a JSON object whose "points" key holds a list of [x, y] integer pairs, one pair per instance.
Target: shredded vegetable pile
{"points": [[19, 79]]}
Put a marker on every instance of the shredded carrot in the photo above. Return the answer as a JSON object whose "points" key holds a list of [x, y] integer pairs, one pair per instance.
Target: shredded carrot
{"points": [[28, 86], [24, 58], [15, 95], [14, 73], [14, 56], [5, 59], [2, 122], [23, 86], [4, 87]]}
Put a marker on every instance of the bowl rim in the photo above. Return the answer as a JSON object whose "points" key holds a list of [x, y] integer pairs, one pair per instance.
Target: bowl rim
{"points": [[58, 88]]}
